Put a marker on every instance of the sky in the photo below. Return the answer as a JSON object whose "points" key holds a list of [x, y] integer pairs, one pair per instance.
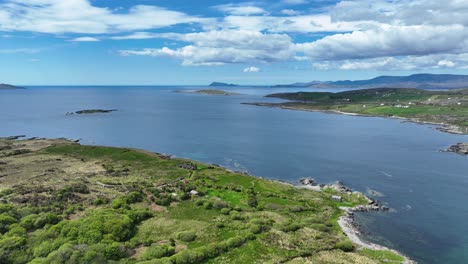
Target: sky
{"points": [[174, 42]]}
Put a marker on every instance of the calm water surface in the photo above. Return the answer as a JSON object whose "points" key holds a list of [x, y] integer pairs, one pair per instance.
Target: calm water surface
{"points": [[428, 189]]}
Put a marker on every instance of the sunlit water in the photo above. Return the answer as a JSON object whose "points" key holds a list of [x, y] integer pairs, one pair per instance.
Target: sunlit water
{"points": [[427, 188]]}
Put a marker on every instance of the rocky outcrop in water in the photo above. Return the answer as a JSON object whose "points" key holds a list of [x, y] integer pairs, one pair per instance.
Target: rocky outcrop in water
{"points": [[460, 148]]}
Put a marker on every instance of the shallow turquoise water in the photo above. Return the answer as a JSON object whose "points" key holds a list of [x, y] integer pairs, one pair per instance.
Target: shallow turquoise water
{"points": [[428, 189]]}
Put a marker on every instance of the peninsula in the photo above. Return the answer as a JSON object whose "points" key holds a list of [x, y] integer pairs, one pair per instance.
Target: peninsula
{"points": [[447, 108], [4, 86], [63, 202]]}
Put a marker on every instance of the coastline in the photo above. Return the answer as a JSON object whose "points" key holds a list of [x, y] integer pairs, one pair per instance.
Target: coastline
{"points": [[442, 127], [346, 221]]}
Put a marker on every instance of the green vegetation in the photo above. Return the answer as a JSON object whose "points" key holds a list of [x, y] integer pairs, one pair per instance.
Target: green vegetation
{"points": [[443, 107], [84, 204]]}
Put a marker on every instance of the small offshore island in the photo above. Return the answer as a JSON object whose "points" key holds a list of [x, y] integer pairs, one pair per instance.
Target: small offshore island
{"points": [[65, 202], [210, 92]]}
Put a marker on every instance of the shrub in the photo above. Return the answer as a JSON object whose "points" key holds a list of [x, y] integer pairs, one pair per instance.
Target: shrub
{"points": [[235, 215], [115, 251], [252, 201], [345, 246], [135, 197], [225, 211], [99, 201], [187, 257], [5, 221], [220, 204], [234, 242], [290, 227], [208, 205], [256, 229], [119, 203], [158, 252], [186, 236]]}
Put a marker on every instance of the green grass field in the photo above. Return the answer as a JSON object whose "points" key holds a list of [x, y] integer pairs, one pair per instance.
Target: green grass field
{"points": [[442, 107], [86, 204]]}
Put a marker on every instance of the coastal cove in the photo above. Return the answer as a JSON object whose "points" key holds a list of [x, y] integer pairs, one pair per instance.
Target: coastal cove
{"points": [[326, 147]]}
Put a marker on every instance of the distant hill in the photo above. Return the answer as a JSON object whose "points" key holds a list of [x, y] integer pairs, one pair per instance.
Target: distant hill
{"points": [[221, 84], [422, 81], [4, 86]]}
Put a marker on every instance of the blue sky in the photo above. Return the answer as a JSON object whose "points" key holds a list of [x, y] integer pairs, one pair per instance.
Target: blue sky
{"points": [[146, 42]]}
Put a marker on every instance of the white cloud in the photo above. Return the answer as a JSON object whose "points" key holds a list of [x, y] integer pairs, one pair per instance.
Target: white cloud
{"points": [[19, 50], [389, 41], [290, 12], [251, 69], [85, 39], [136, 36], [437, 61], [224, 47], [80, 16], [294, 2], [446, 63], [241, 9]]}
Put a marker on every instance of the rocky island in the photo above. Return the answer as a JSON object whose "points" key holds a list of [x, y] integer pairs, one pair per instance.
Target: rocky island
{"points": [[63, 202], [215, 92], [460, 148], [4, 86], [92, 111]]}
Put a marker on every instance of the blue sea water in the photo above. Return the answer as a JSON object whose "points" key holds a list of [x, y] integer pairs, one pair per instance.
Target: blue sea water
{"points": [[427, 189]]}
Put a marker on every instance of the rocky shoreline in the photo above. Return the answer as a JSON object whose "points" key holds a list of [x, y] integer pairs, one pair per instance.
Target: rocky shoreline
{"points": [[443, 127], [347, 221]]}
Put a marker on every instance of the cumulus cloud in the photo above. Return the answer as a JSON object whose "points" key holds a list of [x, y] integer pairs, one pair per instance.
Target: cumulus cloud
{"points": [[85, 39], [241, 9], [437, 61], [251, 69], [290, 12], [294, 2], [224, 47], [388, 41], [80, 16]]}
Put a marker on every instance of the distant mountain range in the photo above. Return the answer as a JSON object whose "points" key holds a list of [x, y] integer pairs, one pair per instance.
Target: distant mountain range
{"points": [[423, 81], [221, 84], [4, 86]]}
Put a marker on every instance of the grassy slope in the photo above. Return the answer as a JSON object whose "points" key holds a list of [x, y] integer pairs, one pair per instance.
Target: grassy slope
{"points": [[67, 203], [428, 106]]}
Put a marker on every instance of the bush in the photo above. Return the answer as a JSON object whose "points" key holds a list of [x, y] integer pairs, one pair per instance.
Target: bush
{"points": [[346, 246], [225, 211], [208, 205], [115, 251], [187, 257], [235, 215], [186, 236], [119, 203], [252, 201], [99, 201], [220, 204], [290, 227], [234, 242], [5, 221], [135, 197], [158, 252]]}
